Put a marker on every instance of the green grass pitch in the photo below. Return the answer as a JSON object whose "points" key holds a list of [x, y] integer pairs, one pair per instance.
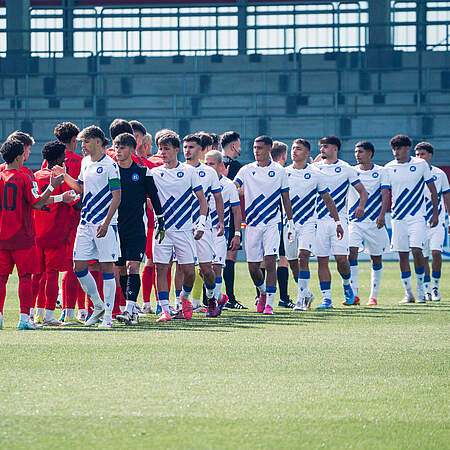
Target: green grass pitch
{"points": [[353, 377]]}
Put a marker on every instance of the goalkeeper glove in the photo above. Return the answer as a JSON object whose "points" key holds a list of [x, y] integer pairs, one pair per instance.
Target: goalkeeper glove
{"points": [[160, 229]]}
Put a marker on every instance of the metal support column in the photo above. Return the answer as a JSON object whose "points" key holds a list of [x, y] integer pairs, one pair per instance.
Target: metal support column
{"points": [[68, 27], [17, 30], [242, 27]]}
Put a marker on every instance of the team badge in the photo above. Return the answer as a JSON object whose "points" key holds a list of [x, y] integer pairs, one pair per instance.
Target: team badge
{"points": [[337, 169], [434, 178], [307, 176], [99, 169], [135, 177], [271, 173], [375, 175], [413, 168], [201, 173], [180, 174]]}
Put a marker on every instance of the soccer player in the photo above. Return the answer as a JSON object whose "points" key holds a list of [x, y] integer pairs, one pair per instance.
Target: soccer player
{"points": [[136, 184], [231, 204], [435, 236], [230, 142], [139, 131], [53, 228], [192, 149], [215, 142], [368, 231], [265, 183], [67, 132], [18, 197], [339, 176], [147, 143], [27, 142], [306, 184], [176, 183], [97, 237], [206, 144], [406, 177], [117, 126]]}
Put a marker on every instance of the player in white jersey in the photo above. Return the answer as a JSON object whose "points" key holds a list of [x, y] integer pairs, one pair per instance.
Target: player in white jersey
{"points": [[406, 177], [231, 205], [339, 176], [178, 185], [265, 183], [435, 236], [306, 183], [97, 235], [368, 232], [192, 147]]}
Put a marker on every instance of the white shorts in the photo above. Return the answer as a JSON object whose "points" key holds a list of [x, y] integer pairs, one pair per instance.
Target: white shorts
{"points": [[327, 242], [407, 234], [434, 240], [261, 241], [205, 247], [220, 248], [88, 247], [305, 236], [367, 236], [181, 242]]}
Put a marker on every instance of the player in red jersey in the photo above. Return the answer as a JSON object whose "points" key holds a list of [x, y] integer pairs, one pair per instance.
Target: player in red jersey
{"points": [[17, 236], [53, 225]]}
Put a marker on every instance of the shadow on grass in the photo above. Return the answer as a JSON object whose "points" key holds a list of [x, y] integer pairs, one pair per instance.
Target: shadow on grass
{"points": [[249, 319]]}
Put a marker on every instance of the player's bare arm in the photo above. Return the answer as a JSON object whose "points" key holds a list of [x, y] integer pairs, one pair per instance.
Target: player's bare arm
{"points": [[331, 206], [115, 202], [237, 216], [219, 208], [203, 211], [434, 200], [359, 211], [381, 219], [71, 182], [446, 197], [155, 203], [55, 181]]}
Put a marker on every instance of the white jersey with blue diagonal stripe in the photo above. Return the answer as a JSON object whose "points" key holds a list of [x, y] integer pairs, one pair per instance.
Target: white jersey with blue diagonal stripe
{"points": [[339, 176], [440, 180], [262, 192], [372, 180], [304, 186], [230, 198], [407, 182], [99, 179], [210, 184], [176, 189]]}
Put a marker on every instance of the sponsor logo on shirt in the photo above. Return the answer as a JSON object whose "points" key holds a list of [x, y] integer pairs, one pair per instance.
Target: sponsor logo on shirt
{"points": [[99, 169], [135, 177]]}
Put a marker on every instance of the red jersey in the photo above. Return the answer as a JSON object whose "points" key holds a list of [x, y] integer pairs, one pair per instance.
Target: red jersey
{"points": [[17, 197], [53, 221], [152, 162], [23, 169]]}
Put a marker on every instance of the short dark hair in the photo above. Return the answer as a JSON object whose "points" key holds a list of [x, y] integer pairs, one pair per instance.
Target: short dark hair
{"points": [[137, 126], [25, 138], [93, 132], [193, 138], [400, 140], [228, 137], [65, 132], [215, 139], [366, 145], [303, 142], [126, 139], [205, 138], [11, 149], [119, 126], [424, 146], [278, 150], [332, 140], [266, 140], [171, 138], [160, 133], [53, 150]]}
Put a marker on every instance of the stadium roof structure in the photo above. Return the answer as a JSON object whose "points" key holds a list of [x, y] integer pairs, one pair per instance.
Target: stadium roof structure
{"points": [[163, 2]]}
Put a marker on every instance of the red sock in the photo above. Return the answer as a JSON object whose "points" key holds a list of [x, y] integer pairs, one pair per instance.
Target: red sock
{"points": [[3, 281], [117, 301], [148, 277], [41, 294], [81, 298], [70, 286], [25, 293], [51, 290], [35, 280]]}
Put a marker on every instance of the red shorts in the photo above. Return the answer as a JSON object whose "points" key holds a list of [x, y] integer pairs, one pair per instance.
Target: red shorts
{"points": [[52, 259], [25, 260], [149, 247]]}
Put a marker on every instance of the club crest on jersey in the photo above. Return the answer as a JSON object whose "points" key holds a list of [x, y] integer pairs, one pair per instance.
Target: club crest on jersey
{"points": [[201, 173], [413, 168], [99, 169], [337, 169], [271, 173], [135, 177], [375, 175], [434, 178], [180, 174], [307, 176]]}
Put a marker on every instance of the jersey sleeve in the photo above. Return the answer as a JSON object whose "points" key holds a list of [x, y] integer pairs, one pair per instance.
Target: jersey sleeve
{"points": [[353, 177], [427, 173], [196, 184], [234, 195], [113, 177], [152, 192], [80, 178], [215, 185], [385, 178], [284, 181], [445, 184], [30, 191], [322, 187], [240, 176]]}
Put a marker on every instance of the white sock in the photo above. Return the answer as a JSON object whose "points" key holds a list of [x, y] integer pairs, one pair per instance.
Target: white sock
{"points": [[90, 287], [24, 317], [303, 285], [354, 276], [210, 290], [1, 316], [427, 287], [420, 275], [325, 288], [81, 311], [262, 287], [31, 311], [406, 280], [49, 315], [70, 313], [375, 279], [130, 306], [435, 277], [40, 312], [145, 304], [121, 308], [195, 302], [109, 291], [270, 295]]}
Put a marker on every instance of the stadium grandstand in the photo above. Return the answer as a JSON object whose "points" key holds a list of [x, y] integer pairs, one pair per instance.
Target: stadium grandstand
{"points": [[357, 69]]}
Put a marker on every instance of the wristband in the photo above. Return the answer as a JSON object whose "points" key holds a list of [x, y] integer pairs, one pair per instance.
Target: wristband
{"points": [[338, 222], [201, 224], [58, 198], [237, 233], [50, 188]]}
